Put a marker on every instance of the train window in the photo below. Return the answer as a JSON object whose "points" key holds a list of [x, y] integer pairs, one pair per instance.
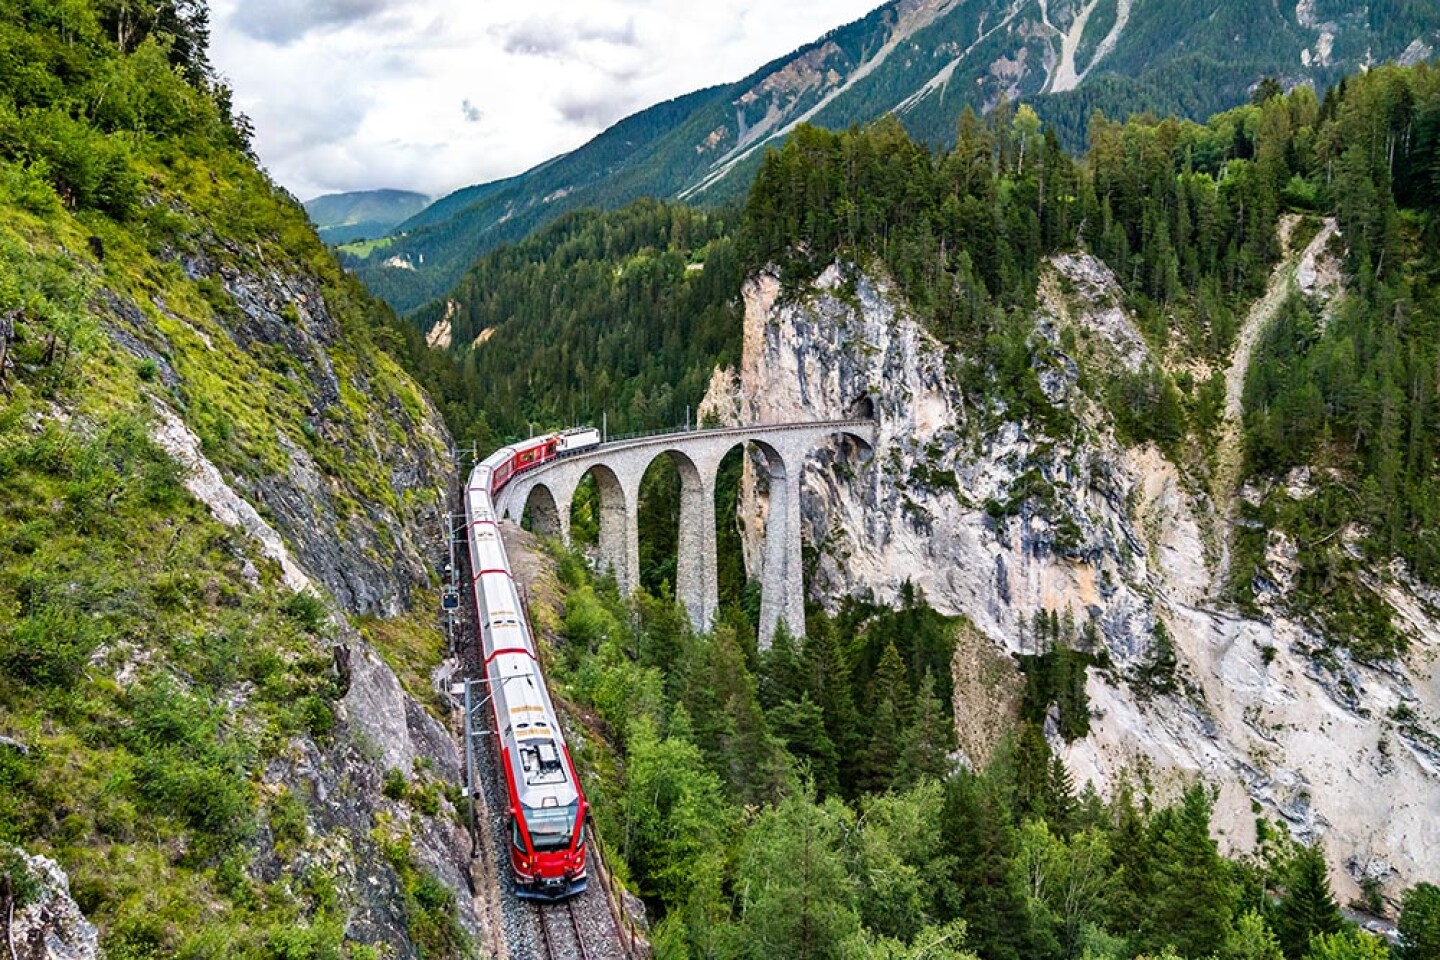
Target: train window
{"points": [[516, 837], [551, 827]]}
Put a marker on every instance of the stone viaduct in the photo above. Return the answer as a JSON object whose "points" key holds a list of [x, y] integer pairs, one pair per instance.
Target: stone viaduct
{"points": [[618, 466]]}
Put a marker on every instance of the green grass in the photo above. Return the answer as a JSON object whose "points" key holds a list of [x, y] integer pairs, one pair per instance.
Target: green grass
{"points": [[363, 248], [150, 680]]}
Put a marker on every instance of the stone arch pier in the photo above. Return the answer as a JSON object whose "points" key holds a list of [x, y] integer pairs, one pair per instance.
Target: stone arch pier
{"points": [[548, 491]]}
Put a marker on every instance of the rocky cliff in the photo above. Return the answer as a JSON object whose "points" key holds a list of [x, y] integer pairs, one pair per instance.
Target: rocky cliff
{"points": [[996, 520], [217, 588], [42, 921]]}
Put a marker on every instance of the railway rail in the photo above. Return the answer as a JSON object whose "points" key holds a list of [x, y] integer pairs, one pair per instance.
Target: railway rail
{"points": [[574, 935]]}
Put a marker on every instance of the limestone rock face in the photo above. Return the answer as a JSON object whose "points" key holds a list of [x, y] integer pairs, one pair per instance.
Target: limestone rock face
{"points": [[364, 539], [994, 520], [50, 926]]}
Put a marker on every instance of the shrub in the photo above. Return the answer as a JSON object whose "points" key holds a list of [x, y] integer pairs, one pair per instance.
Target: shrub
{"points": [[287, 820], [307, 610], [49, 647], [395, 785]]}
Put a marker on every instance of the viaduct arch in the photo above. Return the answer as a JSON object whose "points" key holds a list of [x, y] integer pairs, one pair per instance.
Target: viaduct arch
{"points": [[549, 490]]}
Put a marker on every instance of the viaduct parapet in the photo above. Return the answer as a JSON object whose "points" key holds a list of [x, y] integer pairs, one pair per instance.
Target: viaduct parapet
{"points": [[618, 466]]}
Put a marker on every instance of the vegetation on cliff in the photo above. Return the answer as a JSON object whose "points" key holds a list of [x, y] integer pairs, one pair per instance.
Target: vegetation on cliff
{"points": [[158, 673], [1185, 214]]}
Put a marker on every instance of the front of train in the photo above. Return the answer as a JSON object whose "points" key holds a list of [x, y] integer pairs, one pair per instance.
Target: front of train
{"points": [[547, 852], [547, 806]]}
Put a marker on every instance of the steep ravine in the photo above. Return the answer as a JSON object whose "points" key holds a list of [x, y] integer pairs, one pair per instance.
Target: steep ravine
{"points": [[367, 556], [1120, 538], [318, 471]]}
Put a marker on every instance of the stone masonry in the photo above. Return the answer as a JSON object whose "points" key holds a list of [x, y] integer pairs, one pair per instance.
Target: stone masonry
{"points": [[548, 491]]}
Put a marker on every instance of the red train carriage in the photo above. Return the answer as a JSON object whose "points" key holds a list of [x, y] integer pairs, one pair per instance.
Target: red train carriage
{"points": [[547, 804]]}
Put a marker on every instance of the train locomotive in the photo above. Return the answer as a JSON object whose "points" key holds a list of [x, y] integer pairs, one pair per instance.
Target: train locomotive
{"points": [[547, 806]]}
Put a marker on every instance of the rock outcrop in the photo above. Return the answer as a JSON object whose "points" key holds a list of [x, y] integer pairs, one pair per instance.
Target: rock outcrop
{"points": [[46, 924], [995, 520], [348, 507]]}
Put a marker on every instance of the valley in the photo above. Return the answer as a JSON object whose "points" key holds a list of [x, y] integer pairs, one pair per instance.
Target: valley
{"points": [[1006, 522]]}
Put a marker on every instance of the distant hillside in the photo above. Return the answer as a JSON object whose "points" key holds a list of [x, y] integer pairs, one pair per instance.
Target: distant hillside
{"points": [[925, 61], [364, 215]]}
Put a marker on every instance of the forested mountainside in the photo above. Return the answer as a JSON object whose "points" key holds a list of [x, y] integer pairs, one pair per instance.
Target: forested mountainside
{"points": [[1159, 442], [924, 61], [218, 499], [1186, 218], [363, 215], [623, 314]]}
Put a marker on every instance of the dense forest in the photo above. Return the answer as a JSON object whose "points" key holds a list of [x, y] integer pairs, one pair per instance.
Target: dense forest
{"points": [[801, 802], [620, 316]]}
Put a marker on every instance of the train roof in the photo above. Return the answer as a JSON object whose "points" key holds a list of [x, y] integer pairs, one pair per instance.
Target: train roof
{"points": [[532, 733]]}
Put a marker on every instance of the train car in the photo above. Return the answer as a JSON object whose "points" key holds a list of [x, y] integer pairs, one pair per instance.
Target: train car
{"points": [[547, 805], [577, 439], [504, 463]]}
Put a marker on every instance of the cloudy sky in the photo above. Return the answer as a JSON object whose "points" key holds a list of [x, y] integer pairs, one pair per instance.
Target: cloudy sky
{"points": [[431, 95]]}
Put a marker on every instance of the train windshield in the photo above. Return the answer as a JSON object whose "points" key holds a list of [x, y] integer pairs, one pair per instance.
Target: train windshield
{"points": [[551, 827]]}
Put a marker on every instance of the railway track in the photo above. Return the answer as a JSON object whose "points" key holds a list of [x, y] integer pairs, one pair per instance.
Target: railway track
{"points": [[558, 946], [590, 926]]}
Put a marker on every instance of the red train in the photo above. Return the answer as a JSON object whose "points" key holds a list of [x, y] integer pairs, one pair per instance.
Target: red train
{"points": [[547, 805]]}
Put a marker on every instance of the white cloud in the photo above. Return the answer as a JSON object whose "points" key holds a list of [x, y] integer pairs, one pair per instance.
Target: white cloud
{"points": [[358, 94]]}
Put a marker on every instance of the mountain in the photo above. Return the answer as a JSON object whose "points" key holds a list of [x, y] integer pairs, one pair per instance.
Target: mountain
{"points": [[365, 215], [1173, 412], [218, 536], [1157, 445], [925, 61]]}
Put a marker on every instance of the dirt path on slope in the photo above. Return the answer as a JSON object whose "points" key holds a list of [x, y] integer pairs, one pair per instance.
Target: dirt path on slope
{"points": [[1306, 270]]}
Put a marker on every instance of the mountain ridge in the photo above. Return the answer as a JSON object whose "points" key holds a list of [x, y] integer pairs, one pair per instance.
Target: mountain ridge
{"points": [[925, 61], [363, 214]]}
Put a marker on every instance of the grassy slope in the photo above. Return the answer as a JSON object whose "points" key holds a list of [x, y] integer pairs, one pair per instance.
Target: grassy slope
{"points": [[151, 662]]}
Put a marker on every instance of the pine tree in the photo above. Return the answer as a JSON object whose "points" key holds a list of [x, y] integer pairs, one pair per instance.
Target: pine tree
{"points": [[1420, 923], [827, 681], [802, 728], [782, 675], [928, 740], [888, 721], [1192, 894], [1308, 908], [797, 896], [1252, 940], [1033, 776], [748, 756], [983, 889]]}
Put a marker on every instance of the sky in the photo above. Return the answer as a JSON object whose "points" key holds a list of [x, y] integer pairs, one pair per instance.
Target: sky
{"points": [[433, 95]]}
